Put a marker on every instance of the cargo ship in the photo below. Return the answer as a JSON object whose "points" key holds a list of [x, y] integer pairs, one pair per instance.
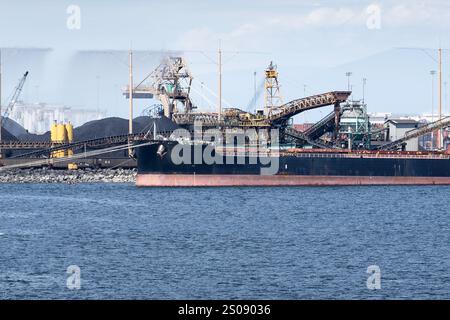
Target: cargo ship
{"points": [[343, 148], [293, 167]]}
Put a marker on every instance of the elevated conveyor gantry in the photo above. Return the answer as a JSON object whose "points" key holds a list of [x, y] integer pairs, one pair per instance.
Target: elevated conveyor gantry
{"points": [[285, 112]]}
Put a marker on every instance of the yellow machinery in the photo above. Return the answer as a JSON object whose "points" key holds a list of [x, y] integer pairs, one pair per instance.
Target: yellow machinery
{"points": [[54, 139], [53, 132], [60, 134], [69, 132]]}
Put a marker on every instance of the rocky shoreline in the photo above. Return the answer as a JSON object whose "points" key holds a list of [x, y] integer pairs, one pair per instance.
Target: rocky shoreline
{"points": [[46, 175]]}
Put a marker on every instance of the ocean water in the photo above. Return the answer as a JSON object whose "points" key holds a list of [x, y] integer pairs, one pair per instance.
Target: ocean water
{"points": [[223, 243]]}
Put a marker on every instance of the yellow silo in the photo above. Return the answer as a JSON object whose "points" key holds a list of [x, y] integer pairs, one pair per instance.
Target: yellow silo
{"points": [[69, 130], [69, 136], [61, 138], [54, 137], [61, 133], [53, 132]]}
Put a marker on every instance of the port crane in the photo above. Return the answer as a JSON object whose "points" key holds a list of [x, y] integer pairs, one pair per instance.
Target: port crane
{"points": [[14, 98], [171, 84]]}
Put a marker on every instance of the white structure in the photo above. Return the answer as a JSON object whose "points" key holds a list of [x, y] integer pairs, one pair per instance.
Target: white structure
{"points": [[37, 118], [381, 117], [399, 127]]}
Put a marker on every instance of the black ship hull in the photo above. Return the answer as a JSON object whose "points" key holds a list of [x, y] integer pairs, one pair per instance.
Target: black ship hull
{"points": [[157, 167]]}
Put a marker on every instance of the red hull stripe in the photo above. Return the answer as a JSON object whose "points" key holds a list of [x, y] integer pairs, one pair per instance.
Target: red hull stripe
{"points": [[207, 180]]}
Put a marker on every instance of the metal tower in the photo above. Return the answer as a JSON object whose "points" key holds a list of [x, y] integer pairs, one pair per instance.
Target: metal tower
{"points": [[272, 95]]}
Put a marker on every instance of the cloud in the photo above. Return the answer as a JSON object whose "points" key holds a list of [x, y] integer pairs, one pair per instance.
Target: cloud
{"points": [[205, 38], [244, 30], [417, 14], [324, 17]]}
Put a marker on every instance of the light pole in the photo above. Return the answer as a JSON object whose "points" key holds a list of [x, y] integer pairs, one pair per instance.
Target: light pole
{"points": [[364, 81], [348, 75]]}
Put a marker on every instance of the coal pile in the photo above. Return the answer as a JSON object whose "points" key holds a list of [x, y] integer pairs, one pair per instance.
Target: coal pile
{"points": [[118, 126], [7, 136], [107, 127], [13, 127]]}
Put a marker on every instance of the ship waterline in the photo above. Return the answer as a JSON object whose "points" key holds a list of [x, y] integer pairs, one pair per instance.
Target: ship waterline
{"points": [[207, 180], [293, 168]]}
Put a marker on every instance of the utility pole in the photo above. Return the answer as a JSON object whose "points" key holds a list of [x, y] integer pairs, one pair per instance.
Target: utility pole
{"points": [[130, 123], [254, 90], [0, 99], [432, 73], [220, 84], [440, 99], [439, 62], [445, 111]]}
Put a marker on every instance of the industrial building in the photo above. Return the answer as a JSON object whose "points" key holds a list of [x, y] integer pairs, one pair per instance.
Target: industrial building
{"points": [[38, 117], [397, 128]]}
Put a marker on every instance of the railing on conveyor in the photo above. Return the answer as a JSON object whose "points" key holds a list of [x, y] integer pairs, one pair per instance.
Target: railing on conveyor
{"points": [[47, 147], [317, 129], [207, 119], [294, 107]]}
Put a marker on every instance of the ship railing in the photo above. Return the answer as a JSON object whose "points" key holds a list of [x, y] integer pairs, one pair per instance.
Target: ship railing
{"points": [[367, 156]]}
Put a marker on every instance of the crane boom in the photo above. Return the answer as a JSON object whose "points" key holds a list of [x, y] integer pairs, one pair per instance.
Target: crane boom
{"points": [[15, 97]]}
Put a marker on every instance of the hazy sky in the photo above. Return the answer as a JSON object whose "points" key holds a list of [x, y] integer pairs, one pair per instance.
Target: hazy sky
{"points": [[313, 43]]}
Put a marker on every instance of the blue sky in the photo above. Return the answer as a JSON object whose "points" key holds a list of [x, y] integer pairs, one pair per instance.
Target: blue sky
{"points": [[313, 43]]}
